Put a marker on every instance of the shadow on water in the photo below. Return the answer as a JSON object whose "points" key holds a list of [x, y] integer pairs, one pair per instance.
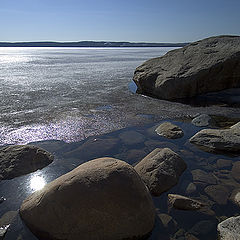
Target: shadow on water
{"points": [[120, 145]]}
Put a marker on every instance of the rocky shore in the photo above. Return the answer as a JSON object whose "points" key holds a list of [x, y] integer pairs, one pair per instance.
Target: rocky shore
{"points": [[169, 180]]}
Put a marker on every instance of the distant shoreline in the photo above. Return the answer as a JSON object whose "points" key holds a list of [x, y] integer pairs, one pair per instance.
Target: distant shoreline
{"points": [[89, 44]]}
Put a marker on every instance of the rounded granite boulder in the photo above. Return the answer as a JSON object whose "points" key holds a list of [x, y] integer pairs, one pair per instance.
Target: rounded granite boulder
{"points": [[101, 199]]}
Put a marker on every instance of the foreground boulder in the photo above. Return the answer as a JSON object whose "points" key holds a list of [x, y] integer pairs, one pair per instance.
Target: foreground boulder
{"points": [[218, 139], [229, 229], [101, 199], [209, 65], [18, 160], [160, 170]]}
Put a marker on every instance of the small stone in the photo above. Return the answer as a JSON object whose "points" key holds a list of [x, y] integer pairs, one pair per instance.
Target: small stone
{"points": [[218, 193], [168, 222], [236, 171], [183, 203], [191, 188], [202, 120], [235, 197], [3, 231], [8, 218], [2, 199], [229, 229], [201, 176], [224, 163], [169, 130], [202, 228]]}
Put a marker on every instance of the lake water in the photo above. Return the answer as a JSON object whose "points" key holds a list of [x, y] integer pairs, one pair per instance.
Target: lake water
{"points": [[65, 95], [72, 93]]}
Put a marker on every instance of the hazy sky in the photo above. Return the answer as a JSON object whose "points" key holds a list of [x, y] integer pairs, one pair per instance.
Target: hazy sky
{"points": [[117, 20]]}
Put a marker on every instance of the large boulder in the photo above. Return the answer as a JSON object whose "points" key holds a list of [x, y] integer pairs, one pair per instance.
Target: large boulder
{"points": [[218, 139], [161, 170], [209, 65], [101, 199], [18, 160]]}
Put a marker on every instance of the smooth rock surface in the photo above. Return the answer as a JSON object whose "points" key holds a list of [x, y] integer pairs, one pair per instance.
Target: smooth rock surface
{"points": [[218, 139], [183, 203], [209, 65], [169, 130], [101, 199], [18, 160], [229, 229], [202, 120], [160, 170]]}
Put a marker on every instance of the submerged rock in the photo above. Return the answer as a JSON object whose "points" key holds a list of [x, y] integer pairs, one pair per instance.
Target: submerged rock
{"points": [[169, 130], [235, 197], [161, 170], [101, 199], [218, 139], [131, 137], [184, 203], [236, 171], [202, 120], [202, 176], [218, 193], [229, 229], [209, 65], [18, 160], [93, 148]]}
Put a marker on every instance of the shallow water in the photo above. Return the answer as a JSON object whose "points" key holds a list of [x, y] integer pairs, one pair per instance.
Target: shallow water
{"points": [[67, 157]]}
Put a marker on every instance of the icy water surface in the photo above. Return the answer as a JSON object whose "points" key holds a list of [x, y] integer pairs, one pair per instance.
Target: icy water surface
{"points": [[72, 93], [201, 224]]}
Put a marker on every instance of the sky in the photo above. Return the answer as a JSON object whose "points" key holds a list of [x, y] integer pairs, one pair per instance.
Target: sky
{"points": [[117, 20]]}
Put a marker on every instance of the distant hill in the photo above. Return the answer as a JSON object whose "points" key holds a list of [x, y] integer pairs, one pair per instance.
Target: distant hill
{"points": [[89, 44]]}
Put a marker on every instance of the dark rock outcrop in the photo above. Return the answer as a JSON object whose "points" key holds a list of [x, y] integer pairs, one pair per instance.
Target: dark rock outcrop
{"points": [[101, 199], [18, 160], [161, 170], [209, 65]]}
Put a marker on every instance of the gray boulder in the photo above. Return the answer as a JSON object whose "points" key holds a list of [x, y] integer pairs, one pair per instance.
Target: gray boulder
{"points": [[229, 229], [209, 65], [218, 139], [160, 170], [101, 199], [169, 130], [18, 160]]}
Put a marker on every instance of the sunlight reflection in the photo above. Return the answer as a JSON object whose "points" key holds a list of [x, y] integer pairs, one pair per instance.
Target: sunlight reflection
{"points": [[37, 183]]}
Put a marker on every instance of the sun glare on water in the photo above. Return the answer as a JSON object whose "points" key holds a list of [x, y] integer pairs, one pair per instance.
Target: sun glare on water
{"points": [[37, 183]]}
